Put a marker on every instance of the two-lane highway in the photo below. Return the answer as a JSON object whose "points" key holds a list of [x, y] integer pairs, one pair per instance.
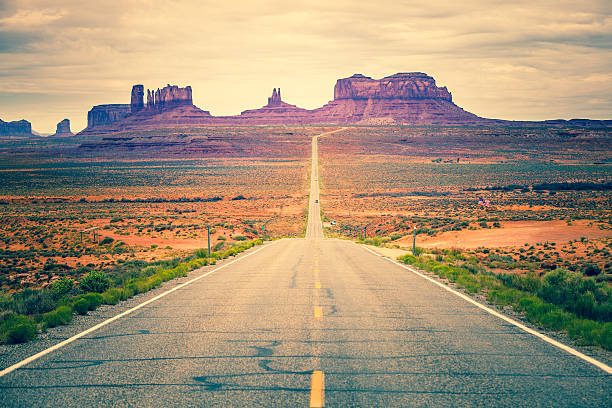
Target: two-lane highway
{"points": [[308, 322]]}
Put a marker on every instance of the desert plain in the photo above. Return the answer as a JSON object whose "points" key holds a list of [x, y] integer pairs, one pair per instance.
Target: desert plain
{"points": [[68, 206]]}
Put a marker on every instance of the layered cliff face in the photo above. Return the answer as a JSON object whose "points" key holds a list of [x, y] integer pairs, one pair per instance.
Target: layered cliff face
{"points": [[15, 128], [63, 128], [404, 98], [409, 98], [413, 85], [168, 104], [104, 115], [168, 97]]}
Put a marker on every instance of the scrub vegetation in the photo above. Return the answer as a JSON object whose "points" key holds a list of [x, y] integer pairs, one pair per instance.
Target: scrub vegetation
{"points": [[559, 300], [23, 314]]}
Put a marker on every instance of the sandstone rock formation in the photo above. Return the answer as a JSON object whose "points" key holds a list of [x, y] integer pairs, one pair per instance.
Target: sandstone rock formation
{"points": [[413, 85], [408, 98], [275, 99], [275, 112], [103, 115], [168, 97], [404, 98], [63, 128], [137, 102], [15, 128]]}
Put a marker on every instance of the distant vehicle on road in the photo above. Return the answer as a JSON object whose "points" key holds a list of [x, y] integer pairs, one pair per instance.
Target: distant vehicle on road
{"points": [[317, 201], [333, 223]]}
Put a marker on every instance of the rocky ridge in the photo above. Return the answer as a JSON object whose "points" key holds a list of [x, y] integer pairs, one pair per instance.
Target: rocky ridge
{"points": [[404, 98]]}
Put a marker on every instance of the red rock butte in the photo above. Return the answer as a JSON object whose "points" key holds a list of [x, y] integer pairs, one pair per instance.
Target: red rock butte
{"points": [[405, 98]]}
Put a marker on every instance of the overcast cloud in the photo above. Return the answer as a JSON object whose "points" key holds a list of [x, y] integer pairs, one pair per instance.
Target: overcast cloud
{"points": [[524, 59]]}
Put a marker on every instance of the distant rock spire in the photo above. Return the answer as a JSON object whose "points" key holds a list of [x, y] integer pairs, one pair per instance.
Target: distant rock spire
{"points": [[275, 99], [137, 102]]}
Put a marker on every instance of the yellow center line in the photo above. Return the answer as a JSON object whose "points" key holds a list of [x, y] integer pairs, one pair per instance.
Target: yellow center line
{"points": [[317, 390], [318, 312], [318, 285]]}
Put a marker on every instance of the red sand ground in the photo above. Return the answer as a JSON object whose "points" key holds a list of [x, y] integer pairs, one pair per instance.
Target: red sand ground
{"points": [[512, 233]]}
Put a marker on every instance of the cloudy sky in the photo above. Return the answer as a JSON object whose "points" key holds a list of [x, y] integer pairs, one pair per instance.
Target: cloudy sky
{"points": [[521, 59]]}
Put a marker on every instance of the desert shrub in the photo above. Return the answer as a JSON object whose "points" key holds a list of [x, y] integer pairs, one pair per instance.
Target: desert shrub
{"points": [[201, 253], [591, 269], [408, 259], [126, 293], [30, 302], [94, 300], [119, 248], [529, 282], [60, 316], [17, 328], [95, 281], [469, 282], [81, 306], [61, 287], [106, 240], [111, 296]]}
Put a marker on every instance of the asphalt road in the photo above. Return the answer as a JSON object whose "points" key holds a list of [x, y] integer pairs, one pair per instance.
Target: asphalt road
{"points": [[253, 333]]}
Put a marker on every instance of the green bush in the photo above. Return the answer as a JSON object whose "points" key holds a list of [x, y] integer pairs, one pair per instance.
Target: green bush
{"points": [[81, 306], [95, 281], [17, 328], [61, 287], [579, 295], [60, 316], [201, 253], [106, 240], [94, 300], [111, 296], [31, 301]]}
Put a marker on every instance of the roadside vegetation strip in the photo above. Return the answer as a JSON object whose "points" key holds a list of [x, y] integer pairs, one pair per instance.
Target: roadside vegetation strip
{"points": [[560, 300], [25, 313], [549, 340], [120, 315]]}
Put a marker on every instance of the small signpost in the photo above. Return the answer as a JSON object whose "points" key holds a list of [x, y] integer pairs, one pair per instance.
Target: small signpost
{"points": [[88, 230], [208, 228], [414, 242]]}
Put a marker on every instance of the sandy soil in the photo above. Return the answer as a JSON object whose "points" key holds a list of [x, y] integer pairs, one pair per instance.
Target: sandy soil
{"points": [[512, 233]]}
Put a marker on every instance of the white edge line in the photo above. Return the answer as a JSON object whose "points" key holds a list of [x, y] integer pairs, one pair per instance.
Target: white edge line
{"points": [[119, 316], [541, 336]]}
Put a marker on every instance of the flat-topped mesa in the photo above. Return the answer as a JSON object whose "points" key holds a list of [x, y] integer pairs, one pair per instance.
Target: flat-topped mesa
{"points": [[137, 102], [275, 99], [103, 115], [15, 128], [168, 97], [412, 85]]}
